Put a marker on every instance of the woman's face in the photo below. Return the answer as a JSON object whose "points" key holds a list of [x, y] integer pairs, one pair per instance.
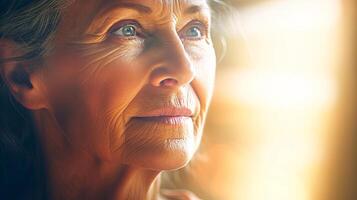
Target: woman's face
{"points": [[131, 81]]}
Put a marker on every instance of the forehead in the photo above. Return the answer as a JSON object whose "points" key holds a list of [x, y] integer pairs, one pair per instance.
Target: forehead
{"points": [[94, 6], [82, 14], [165, 4], [158, 7]]}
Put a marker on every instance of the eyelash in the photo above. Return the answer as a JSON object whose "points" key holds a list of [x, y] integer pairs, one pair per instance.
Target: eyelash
{"points": [[203, 27], [142, 33], [139, 30]]}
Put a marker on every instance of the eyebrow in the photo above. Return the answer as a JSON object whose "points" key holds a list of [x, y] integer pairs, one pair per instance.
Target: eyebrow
{"points": [[135, 6], [195, 9], [147, 10]]}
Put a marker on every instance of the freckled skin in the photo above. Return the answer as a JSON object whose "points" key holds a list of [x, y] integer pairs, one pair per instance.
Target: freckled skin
{"points": [[97, 82]]}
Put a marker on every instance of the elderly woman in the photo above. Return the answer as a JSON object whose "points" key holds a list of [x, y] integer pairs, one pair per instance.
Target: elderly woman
{"points": [[99, 97]]}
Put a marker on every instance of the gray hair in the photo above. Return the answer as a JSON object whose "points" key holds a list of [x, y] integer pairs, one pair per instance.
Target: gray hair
{"points": [[31, 24]]}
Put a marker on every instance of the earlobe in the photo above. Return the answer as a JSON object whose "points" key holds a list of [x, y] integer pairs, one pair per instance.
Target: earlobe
{"points": [[23, 83]]}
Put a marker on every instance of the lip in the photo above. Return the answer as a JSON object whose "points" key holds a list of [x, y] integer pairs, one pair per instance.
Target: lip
{"points": [[176, 120], [167, 115], [168, 112]]}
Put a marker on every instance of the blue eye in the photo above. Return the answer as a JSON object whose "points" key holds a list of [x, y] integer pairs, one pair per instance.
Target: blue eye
{"points": [[193, 32], [128, 30]]}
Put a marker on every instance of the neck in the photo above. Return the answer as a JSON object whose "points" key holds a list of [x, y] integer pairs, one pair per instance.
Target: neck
{"points": [[125, 183], [73, 175]]}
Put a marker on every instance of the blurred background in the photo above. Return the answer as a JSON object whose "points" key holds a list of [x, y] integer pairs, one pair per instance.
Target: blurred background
{"points": [[282, 121]]}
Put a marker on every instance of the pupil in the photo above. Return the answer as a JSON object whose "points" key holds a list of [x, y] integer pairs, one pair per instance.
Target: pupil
{"points": [[129, 31], [194, 32]]}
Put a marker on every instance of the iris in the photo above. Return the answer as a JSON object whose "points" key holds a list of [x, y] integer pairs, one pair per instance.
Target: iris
{"points": [[128, 30], [193, 32]]}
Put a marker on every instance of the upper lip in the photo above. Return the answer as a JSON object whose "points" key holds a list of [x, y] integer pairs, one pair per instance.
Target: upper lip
{"points": [[169, 111]]}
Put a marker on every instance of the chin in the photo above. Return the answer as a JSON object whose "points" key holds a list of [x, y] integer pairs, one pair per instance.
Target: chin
{"points": [[174, 154], [177, 154], [160, 146]]}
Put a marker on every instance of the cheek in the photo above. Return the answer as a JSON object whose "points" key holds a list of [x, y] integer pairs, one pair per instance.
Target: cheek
{"points": [[89, 94], [111, 75], [111, 54], [204, 60]]}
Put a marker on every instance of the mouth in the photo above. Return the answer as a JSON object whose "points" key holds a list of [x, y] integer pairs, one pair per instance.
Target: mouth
{"points": [[167, 115], [173, 120]]}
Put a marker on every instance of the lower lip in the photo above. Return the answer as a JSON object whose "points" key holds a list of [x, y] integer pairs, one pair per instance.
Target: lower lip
{"points": [[172, 120]]}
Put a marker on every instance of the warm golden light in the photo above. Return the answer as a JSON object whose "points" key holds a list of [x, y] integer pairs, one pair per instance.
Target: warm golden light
{"points": [[281, 89], [275, 109]]}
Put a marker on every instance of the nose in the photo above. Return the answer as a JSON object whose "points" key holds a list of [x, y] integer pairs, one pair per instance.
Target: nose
{"points": [[174, 67]]}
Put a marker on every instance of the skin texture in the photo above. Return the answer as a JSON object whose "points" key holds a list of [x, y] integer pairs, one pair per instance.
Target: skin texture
{"points": [[89, 95]]}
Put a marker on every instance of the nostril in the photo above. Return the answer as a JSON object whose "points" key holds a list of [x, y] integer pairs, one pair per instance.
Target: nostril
{"points": [[168, 82]]}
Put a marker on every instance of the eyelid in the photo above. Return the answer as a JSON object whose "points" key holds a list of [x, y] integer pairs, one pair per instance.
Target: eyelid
{"points": [[141, 32], [122, 23], [202, 24]]}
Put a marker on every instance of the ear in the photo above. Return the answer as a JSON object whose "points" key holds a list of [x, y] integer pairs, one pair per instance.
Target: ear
{"points": [[24, 84]]}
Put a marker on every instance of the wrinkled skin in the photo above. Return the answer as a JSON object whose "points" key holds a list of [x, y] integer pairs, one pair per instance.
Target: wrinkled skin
{"points": [[97, 83]]}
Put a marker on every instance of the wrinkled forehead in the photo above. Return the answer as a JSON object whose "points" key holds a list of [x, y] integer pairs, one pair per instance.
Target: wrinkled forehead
{"points": [[157, 5], [158, 8], [85, 7], [83, 13]]}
